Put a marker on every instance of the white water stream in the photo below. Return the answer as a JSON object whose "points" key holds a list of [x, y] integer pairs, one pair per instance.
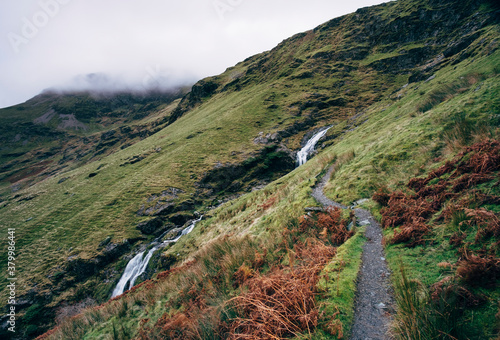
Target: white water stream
{"points": [[309, 147], [139, 263]]}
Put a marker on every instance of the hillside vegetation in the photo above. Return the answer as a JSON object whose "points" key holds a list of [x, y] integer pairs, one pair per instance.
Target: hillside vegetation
{"points": [[406, 85]]}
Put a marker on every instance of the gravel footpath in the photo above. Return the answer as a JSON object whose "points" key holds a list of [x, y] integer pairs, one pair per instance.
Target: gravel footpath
{"points": [[374, 302], [317, 192]]}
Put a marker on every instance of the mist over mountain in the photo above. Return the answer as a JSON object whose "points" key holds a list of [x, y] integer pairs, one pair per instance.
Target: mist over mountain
{"points": [[47, 42], [152, 80]]}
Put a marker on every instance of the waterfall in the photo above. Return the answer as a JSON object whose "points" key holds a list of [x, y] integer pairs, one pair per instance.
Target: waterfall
{"points": [[309, 147], [134, 269], [139, 263]]}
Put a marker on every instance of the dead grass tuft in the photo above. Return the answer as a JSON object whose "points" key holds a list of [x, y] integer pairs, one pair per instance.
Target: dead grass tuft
{"points": [[382, 196], [242, 274], [282, 303], [331, 221], [478, 271], [411, 212], [277, 305], [411, 233]]}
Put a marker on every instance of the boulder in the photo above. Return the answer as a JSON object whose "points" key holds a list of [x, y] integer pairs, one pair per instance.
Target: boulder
{"points": [[172, 234]]}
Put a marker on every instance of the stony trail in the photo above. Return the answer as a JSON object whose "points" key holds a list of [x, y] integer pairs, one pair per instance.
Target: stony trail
{"points": [[374, 299]]}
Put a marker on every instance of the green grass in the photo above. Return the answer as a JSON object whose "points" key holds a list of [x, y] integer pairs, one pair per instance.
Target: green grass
{"points": [[421, 317], [397, 141], [339, 285]]}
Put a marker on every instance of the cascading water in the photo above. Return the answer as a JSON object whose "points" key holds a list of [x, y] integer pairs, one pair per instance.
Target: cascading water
{"points": [[309, 147], [134, 269], [139, 263]]}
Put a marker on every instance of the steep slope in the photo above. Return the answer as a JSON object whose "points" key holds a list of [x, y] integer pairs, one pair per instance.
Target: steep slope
{"points": [[58, 131], [392, 79]]}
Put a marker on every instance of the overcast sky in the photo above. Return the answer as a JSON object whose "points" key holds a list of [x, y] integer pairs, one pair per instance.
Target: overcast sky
{"points": [[142, 43]]}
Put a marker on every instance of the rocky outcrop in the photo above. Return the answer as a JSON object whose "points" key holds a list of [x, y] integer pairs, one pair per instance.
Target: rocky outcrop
{"points": [[165, 203], [199, 92], [151, 226], [272, 162], [269, 138], [80, 268], [406, 61]]}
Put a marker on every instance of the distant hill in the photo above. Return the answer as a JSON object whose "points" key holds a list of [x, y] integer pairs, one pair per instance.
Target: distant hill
{"points": [[61, 130]]}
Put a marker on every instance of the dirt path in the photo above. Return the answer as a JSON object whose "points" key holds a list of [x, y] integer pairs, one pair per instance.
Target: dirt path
{"points": [[373, 297]]}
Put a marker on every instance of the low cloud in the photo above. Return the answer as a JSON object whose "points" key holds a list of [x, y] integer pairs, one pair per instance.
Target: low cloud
{"points": [[118, 44], [152, 80]]}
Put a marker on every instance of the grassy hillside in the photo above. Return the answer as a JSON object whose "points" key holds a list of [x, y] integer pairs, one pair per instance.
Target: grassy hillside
{"points": [[405, 85], [54, 131]]}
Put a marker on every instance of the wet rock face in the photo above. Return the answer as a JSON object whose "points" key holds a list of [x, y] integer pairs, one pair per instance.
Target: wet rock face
{"points": [[273, 161], [172, 234], [81, 269], [151, 226], [181, 218]]}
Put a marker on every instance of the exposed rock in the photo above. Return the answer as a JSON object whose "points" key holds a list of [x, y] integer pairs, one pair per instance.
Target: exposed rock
{"points": [[460, 45], [271, 162], [417, 76], [45, 118], [165, 204], [171, 192], [105, 242], [204, 88], [201, 90], [314, 209], [81, 269], [162, 209], [181, 218], [64, 179], [134, 159], [70, 122], [409, 60], [268, 138], [172, 234], [151, 226]]}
